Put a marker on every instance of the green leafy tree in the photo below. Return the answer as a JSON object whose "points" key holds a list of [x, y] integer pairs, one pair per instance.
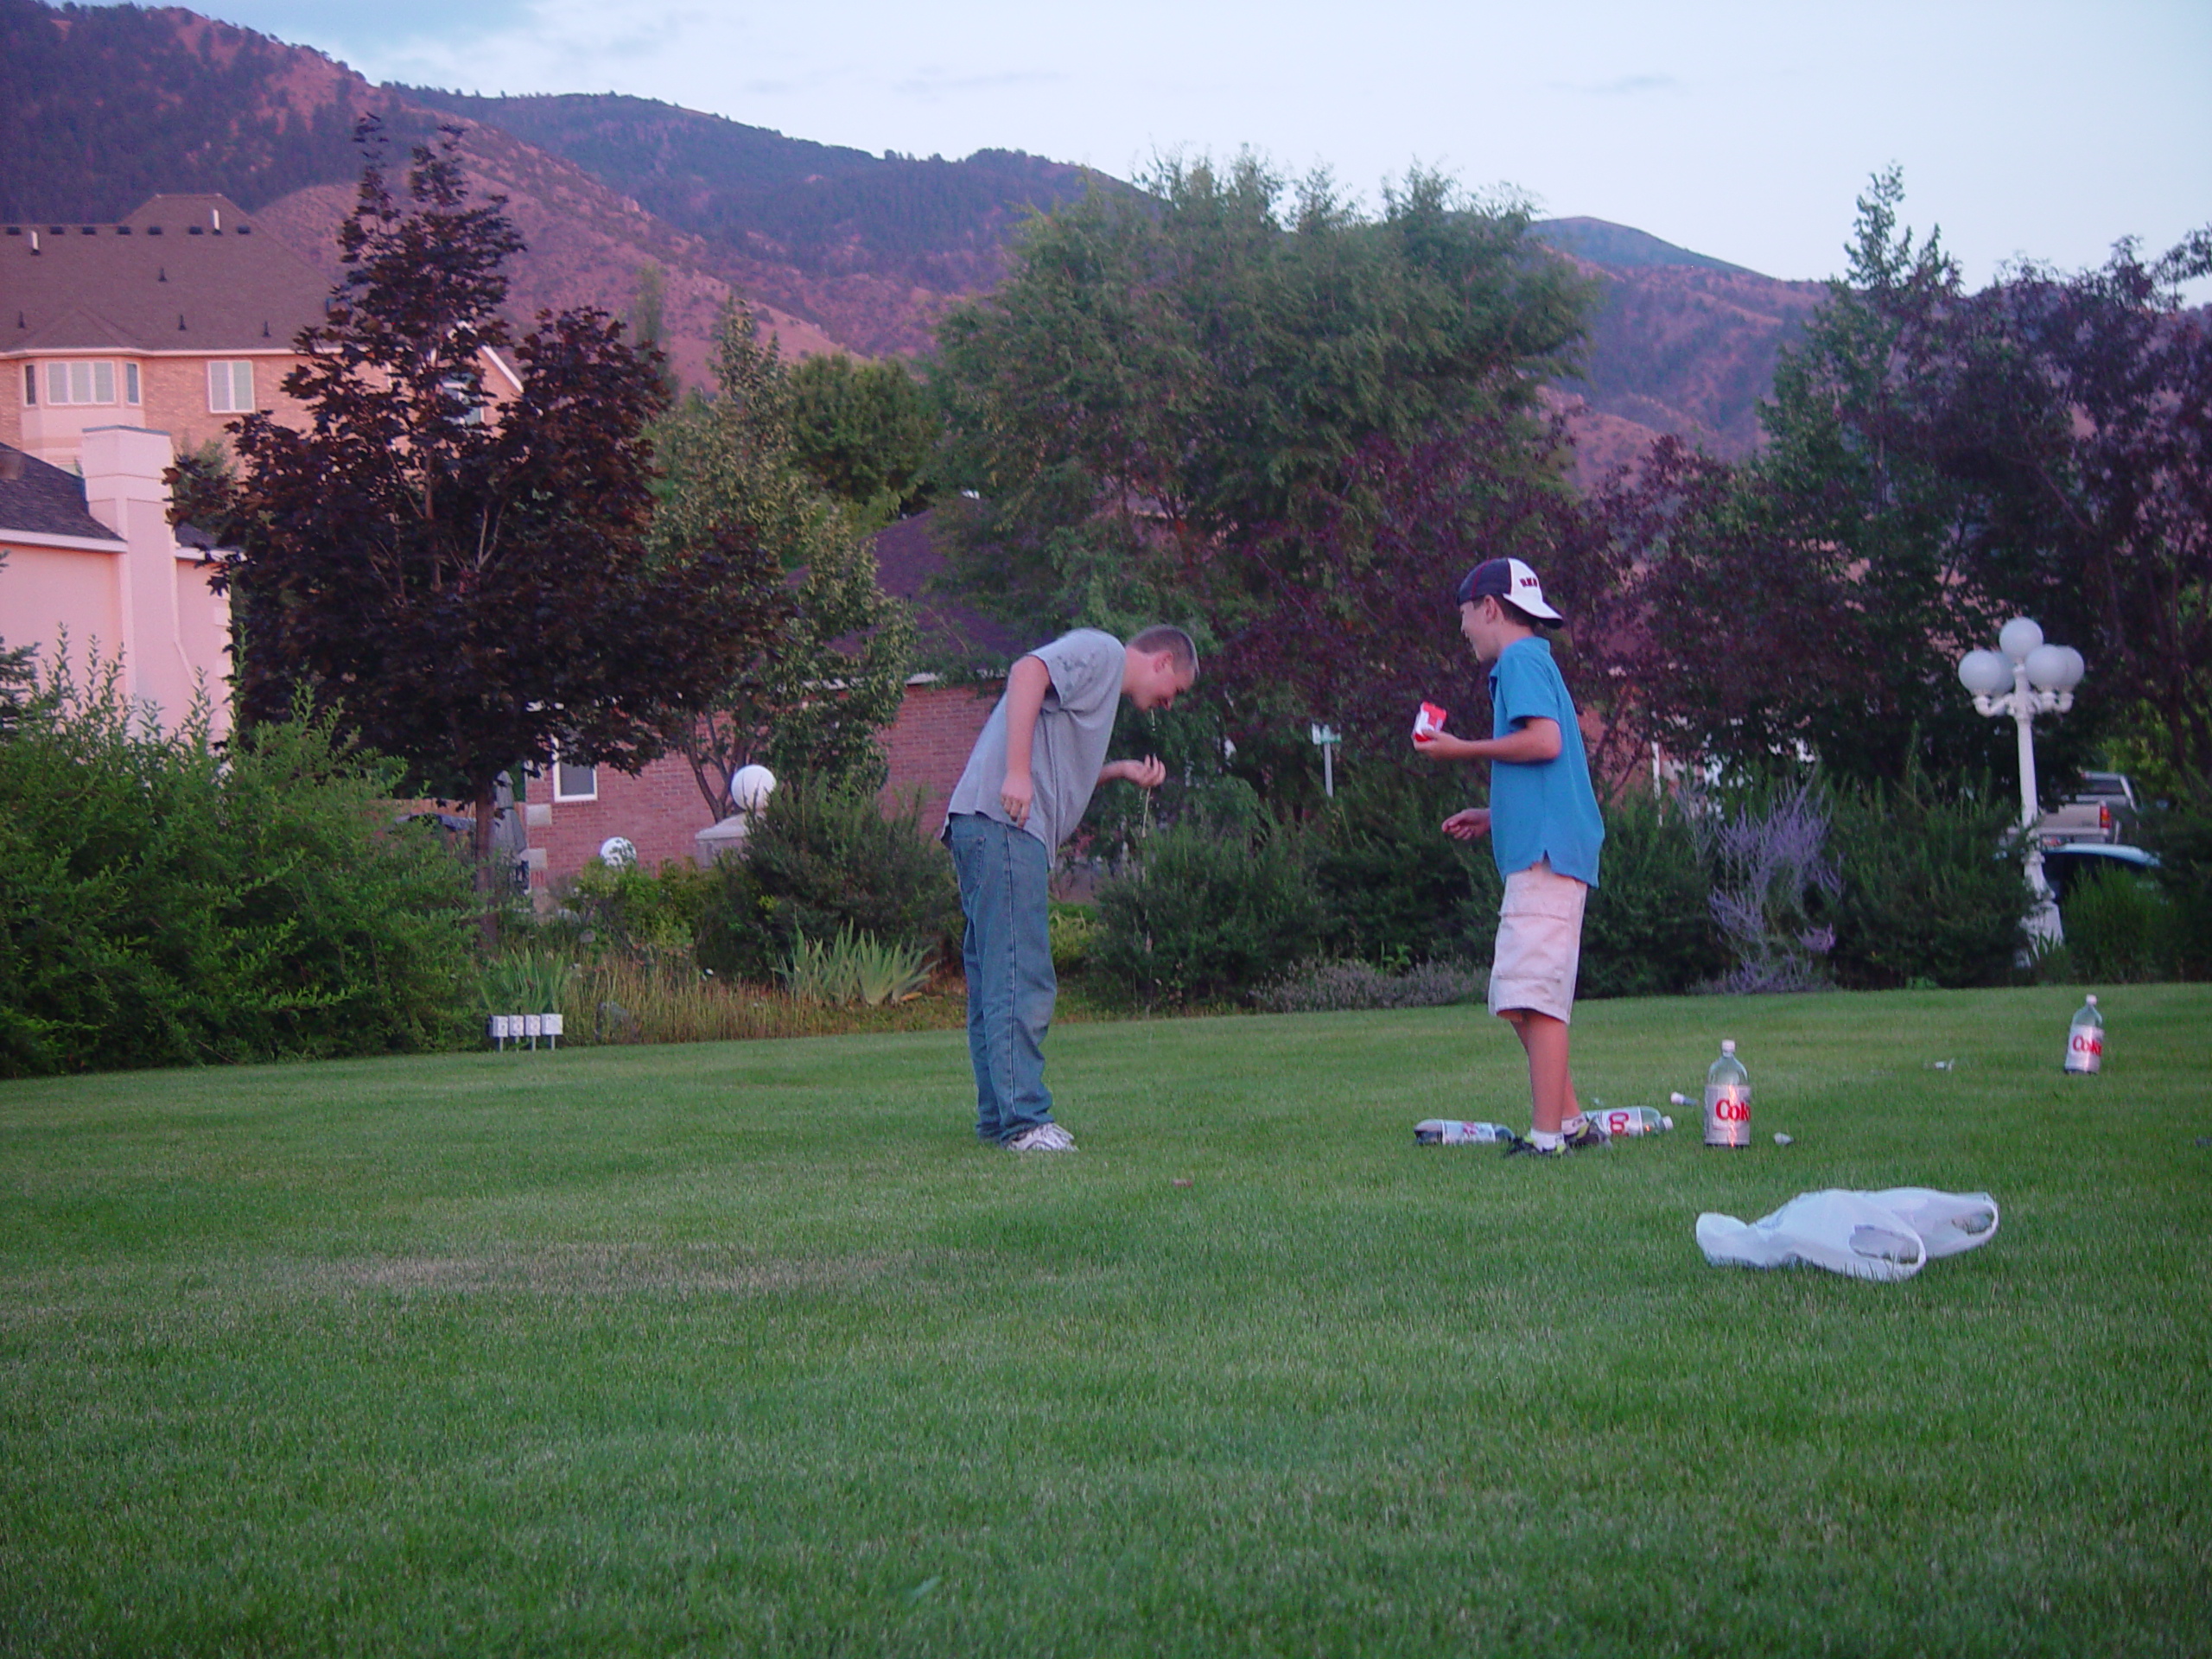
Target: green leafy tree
{"points": [[825, 653], [649, 320], [865, 432], [1165, 383], [471, 591]]}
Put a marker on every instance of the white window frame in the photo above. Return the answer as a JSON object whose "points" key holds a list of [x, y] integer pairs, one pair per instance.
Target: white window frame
{"points": [[223, 380], [562, 771], [80, 383]]}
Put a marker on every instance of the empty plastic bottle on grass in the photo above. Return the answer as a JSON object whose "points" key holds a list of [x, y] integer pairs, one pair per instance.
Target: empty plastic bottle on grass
{"points": [[2085, 1041], [1451, 1132], [1631, 1120], [1727, 1100]]}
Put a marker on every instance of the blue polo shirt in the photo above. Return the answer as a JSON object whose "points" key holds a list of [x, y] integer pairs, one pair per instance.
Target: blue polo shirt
{"points": [[1546, 808]]}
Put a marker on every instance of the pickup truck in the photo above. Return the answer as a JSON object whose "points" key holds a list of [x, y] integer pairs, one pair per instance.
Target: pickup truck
{"points": [[2100, 811]]}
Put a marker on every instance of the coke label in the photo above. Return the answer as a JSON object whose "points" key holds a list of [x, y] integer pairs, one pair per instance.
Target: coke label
{"points": [[2085, 1048], [1728, 1115]]}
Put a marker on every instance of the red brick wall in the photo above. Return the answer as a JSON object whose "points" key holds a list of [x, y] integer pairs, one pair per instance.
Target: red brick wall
{"points": [[929, 743], [661, 809]]}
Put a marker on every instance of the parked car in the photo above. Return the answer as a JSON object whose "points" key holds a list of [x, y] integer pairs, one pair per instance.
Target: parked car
{"points": [[2066, 866], [2101, 810]]}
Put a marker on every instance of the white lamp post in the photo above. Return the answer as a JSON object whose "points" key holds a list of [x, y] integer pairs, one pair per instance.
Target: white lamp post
{"points": [[2024, 678]]}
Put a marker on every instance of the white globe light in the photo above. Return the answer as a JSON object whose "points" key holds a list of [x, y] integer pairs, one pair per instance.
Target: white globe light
{"points": [[2047, 667], [1986, 673], [618, 852], [2076, 668], [2018, 638], [751, 787]]}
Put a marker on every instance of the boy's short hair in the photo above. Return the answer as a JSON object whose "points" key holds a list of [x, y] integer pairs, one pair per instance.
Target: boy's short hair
{"points": [[1178, 645]]}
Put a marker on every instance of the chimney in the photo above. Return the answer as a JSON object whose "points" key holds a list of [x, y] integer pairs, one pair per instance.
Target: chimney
{"points": [[11, 465]]}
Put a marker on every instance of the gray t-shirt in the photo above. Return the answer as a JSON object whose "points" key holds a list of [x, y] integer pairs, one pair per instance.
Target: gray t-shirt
{"points": [[1073, 729]]}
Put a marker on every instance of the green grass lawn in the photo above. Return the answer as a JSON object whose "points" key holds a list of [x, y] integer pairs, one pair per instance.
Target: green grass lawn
{"points": [[751, 1348]]}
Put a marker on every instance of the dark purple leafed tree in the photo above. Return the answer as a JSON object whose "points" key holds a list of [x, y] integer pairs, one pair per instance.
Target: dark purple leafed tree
{"points": [[470, 584]]}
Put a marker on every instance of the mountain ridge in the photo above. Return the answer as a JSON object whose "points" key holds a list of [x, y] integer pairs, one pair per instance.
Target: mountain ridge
{"points": [[837, 247]]}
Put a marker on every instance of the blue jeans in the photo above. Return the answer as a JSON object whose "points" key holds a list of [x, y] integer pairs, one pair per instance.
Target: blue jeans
{"points": [[1007, 951]]}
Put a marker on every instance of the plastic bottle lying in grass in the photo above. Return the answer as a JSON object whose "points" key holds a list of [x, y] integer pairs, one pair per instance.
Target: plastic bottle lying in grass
{"points": [[1451, 1132], [1631, 1120], [2085, 1041]]}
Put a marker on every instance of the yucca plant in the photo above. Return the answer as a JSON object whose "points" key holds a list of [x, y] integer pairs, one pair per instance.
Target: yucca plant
{"points": [[855, 968], [528, 982]]}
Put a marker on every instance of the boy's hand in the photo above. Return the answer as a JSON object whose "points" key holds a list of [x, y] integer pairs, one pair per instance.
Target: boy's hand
{"points": [[1469, 824], [1445, 747], [1148, 774], [1016, 795]]}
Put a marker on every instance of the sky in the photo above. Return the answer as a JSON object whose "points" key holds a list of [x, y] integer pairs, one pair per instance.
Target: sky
{"points": [[2047, 129]]}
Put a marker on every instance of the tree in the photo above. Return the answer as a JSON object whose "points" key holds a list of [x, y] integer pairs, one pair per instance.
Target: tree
{"points": [[471, 590], [824, 652], [1164, 383], [864, 432], [1938, 461]]}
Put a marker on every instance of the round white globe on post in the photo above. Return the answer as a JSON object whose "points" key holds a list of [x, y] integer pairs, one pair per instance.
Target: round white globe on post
{"points": [[2018, 638], [750, 789], [1985, 673]]}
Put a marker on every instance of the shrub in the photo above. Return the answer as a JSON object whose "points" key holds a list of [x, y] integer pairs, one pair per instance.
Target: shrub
{"points": [[2182, 837], [629, 909], [165, 900], [2119, 928], [1331, 987], [1203, 915], [1074, 930], [819, 860], [1647, 930], [1928, 893], [1394, 889]]}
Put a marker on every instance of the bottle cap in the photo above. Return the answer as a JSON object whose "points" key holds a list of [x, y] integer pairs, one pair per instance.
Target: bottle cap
{"points": [[1728, 1046], [2093, 999]]}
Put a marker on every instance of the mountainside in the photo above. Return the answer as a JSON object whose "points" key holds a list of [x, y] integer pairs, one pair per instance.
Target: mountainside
{"points": [[102, 106]]}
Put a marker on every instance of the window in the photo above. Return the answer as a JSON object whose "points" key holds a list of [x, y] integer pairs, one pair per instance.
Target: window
{"points": [[575, 783], [466, 396], [230, 388], [81, 382], [30, 384]]}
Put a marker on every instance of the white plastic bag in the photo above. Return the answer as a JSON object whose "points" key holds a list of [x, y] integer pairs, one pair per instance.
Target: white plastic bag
{"points": [[1886, 1236]]}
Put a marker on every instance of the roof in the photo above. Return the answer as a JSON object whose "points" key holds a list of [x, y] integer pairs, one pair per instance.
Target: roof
{"points": [[907, 564], [41, 500], [181, 274]]}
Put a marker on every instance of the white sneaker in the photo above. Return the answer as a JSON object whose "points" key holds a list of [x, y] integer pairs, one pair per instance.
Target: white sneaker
{"points": [[1042, 1137]]}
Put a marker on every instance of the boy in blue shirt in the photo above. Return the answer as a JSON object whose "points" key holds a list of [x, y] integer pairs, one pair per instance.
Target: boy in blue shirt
{"points": [[1545, 831]]}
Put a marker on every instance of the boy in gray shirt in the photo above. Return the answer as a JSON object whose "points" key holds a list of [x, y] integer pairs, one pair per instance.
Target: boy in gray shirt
{"points": [[1028, 781]]}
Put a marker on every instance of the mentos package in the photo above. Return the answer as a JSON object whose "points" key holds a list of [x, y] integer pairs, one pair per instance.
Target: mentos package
{"points": [[1428, 723]]}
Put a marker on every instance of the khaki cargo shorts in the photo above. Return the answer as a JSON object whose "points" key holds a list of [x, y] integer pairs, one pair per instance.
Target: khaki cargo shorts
{"points": [[1539, 942]]}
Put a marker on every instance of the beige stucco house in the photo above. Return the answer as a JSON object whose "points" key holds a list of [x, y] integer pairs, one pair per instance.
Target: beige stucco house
{"points": [[123, 346]]}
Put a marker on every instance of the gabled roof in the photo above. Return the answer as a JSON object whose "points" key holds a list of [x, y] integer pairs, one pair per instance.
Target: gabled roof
{"points": [[181, 274], [43, 500]]}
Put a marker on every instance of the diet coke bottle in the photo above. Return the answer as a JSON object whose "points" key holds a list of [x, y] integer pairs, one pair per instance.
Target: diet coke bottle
{"points": [[2085, 1041], [1451, 1132], [1727, 1100]]}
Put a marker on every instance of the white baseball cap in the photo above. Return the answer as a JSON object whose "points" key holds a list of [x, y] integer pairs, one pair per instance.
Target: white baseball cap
{"points": [[1510, 580]]}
